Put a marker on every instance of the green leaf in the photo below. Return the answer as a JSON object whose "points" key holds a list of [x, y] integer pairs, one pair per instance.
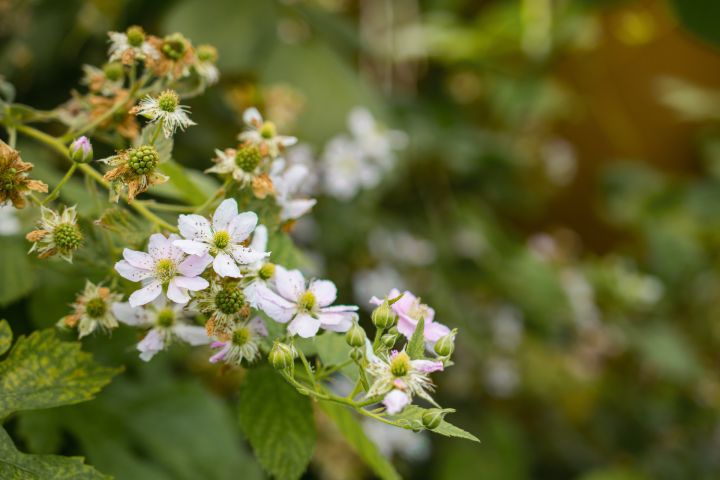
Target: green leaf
{"points": [[700, 17], [412, 418], [182, 182], [5, 336], [284, 252], [42, 372], [360, 443], [334, 350], [416, 345], [278, 422], [16, 274], [21, 466]]}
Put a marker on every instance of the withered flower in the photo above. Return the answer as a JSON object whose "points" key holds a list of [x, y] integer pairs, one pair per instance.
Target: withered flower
{"points": [[177, 55], [14, 181], [134, 169]]}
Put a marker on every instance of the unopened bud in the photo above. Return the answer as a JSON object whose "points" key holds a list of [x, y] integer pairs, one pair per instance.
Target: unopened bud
{"points": [[383, 316], [282, 356], [356, 354], [432, 418], [445, 346], [355, 337], [389, 339], [81, 150]]}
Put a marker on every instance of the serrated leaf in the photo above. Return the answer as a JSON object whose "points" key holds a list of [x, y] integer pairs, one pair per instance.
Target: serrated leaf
{"points": [[21, 466], [16, 274], [42, 372], [278, 422], [416, 345], [360, 443], [5, 336], [412, 417]]}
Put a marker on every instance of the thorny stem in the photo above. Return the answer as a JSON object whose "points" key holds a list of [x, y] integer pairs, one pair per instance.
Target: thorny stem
{"points": [[59, 147]]}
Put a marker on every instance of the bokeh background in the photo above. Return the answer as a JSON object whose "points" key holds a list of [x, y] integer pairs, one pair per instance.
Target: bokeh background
{"points": [[557, 202]]}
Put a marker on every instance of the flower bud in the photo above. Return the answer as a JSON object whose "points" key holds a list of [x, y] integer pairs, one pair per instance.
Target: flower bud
{"points": [[432, 418], [282, 356], [389, 339], [81, 150], [356, 354], [383, 316], [355, 337], [445, 346]]}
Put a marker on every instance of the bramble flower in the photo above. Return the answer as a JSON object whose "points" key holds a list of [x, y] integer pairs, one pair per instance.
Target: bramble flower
{"points": [[92, 310], [130, 46], [167, 323], [262, 271], [306, 308], [246, 167], [263, 134], [166, 110], [207, 56], [287, 184], [57, 234], [14, 181], [176, 56], [376, 141], [135, 169], [106, 80], [165, 267], [409, 311], [224, 304], [347, 169], [223, 239], [242, 343], [398, 379]]}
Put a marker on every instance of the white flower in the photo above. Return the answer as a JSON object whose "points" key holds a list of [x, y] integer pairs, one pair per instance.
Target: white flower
{"points": [[377, 142], [57, 234], [222, 239], [244, 164], [287, 184], [130, 46], [166, 110], [206, 56], [91, 310], [243, 343], [263, 134], [165, 266], [398, 379], [9, 223], [347, 169], [166, 322], [306, 308]]}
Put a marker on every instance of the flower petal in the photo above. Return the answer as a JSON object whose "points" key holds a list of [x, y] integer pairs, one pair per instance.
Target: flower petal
{"points": [[247, 256], [304, 325], [337, 322], [225, 266], [129, 315], [159, 246], [252, 116], [273, 304], [292, 209], [193, 335], [224, 214], [138, 259], [194, 265], [427, 366], [290, 283], [195, 227], [434, 331], [146, 294], [177, 294], [324, 290], [260, 239], [131, 273], [396, 401], [191, 283], [192, 247], [153, 343], [241, 226]]}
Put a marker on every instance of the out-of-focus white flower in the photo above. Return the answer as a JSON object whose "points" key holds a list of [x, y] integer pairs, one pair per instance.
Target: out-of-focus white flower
{"points": [[501, 377], [507, 328], [9, 223], [376, 282], [413, 446], [347, 169], [288, 183], [263, 134], [166, 110], [166, 323], [377, 142], [206, 57], [402, 246], [130, 45]]}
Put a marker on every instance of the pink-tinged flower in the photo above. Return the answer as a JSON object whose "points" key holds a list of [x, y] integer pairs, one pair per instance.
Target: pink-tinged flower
{"points": [[166, 322], [263, 134], [287, 183], [307, 308], [409, 311], [243, 343], [397, 379], [165, 267], [223, 239]]}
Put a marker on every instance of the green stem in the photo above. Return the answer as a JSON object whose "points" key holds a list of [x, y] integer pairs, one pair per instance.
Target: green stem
{"points": [[59, 147], [218, 193], [166, 207], [157, 132], [308, 369], [56, 190]]}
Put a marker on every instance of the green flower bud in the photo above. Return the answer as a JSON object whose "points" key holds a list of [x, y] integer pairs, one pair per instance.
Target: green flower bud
{"points": [[389, 339], [135, 36], [432, 418], [445, 346], [383, 316], [282, 356], [355, 337], [81, 150], [356, 354]]}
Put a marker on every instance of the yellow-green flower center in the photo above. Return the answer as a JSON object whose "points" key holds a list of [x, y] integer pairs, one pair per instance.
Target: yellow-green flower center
{"points": [[168, 101], [241, 336], [95, 307], [267, 271], [207, 53], [113, 71], [165, 270], [248, 158], [221, 239], [143, 160], [67, 236], [307, 301], [268, 130], [166, 317], [400, 365], [135, 36], [174, 46]]}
